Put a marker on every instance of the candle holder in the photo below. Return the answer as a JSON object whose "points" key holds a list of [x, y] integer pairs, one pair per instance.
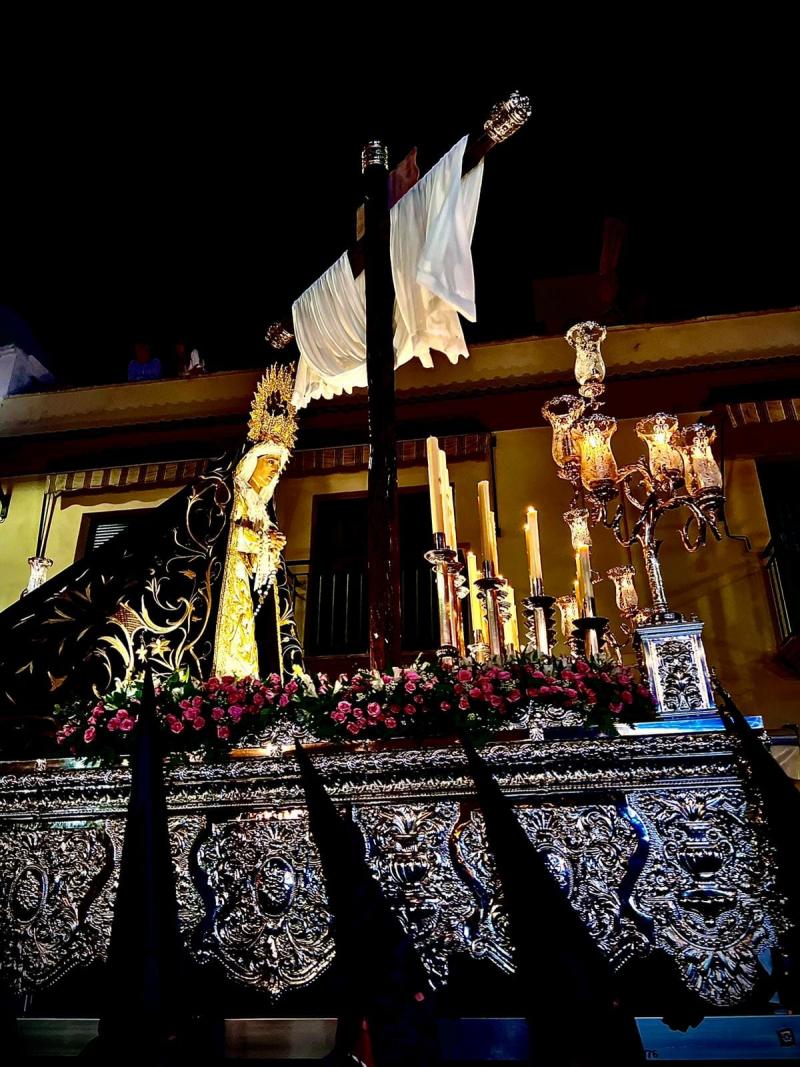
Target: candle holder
{"points": [[39, 566], [589, 632], [495, 608], [447, 568], [479, 650], [540, 619], [680, 472]]}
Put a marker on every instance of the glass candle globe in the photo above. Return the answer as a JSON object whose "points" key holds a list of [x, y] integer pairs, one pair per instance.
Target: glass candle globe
{"points": [[578, 521], [590, 370], [592, 434], [627, 597], [659, 432], [562, 412], [568, 611], [702, 474]]}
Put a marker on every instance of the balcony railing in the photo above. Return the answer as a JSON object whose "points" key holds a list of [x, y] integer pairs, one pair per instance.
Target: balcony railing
{"points": [[336, 611]]}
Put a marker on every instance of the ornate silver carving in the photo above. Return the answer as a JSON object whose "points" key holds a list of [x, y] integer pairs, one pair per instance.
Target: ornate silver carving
{"points": [[708, 887], [587, 849], [705, 885], [271, 927], [408, 851], [676, 666], [56, 900], [507, 117]]}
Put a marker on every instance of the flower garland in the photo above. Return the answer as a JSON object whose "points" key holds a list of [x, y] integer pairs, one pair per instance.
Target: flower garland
{"points": [[426, 700]]}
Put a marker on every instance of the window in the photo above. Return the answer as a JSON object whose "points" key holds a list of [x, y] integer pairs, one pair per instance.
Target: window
{"points": [[336, 620], [100, 527], [783, 552]]}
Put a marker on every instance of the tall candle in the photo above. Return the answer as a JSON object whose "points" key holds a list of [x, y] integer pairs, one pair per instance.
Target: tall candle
{"points": [[534, 548], [493, 539], [434, 486], [475, 607], [447, 499], [585, 590], [512, 626], [488, 541]]}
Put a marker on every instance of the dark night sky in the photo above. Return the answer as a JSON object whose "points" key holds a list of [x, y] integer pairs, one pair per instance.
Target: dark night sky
{"points": [[163, 200]]}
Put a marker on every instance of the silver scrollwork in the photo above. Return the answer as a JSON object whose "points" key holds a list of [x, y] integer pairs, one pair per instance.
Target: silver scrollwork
{"points": [[708, 888], [271, 927], [408, 851]]}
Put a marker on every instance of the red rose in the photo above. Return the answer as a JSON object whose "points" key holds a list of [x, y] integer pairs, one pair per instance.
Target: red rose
{"points": [[353, 727], [176, 727], [89, 735], [199, 722], [627, 696], [127, 725], [390, 722], [223, 732]]}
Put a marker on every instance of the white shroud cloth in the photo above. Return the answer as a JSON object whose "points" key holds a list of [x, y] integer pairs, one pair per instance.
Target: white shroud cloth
{"points": [[431, 234]]}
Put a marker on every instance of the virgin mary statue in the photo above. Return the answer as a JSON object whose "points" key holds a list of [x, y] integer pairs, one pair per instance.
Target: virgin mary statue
{"points": [[255, 625]]}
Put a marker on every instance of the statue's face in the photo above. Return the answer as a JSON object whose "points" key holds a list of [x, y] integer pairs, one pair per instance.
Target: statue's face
{"points": [[266, 473]]}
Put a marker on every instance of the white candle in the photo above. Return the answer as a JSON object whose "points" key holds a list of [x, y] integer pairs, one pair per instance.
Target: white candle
{"points": [[487, 524], [475, 607], [447, 498], [585, 590], [434, 486], [533, 547]]}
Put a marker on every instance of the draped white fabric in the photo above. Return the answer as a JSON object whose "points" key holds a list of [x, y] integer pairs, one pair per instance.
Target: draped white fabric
{"points": [[431, 232]]}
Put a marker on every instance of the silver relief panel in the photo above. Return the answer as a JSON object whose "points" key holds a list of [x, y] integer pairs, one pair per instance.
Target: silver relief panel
{"points": [[270, 927], [708, 887], [408, 850]]}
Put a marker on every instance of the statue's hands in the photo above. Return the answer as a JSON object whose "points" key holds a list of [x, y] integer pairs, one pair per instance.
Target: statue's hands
{"points": [[277, 540]]}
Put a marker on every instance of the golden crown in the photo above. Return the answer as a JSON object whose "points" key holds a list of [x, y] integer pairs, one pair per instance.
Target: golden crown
{"points": [[272, 413]]}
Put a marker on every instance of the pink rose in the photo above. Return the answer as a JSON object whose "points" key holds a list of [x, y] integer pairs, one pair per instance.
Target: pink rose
{"points": [[223, 732], [464, 704], [89, 735], [344, 706], [410, 687], [390, 722], [615, 709], [216, 714], [199, 722], [496, 701], [122, 714], [176, 726], [571, 694], [338, 716], [353, 727], [412, 676], [475, 693], [513, 696], [127, 725], [409, 709], [445, 706], [291, 687], [283, 700], [464, 675], [373, 710], [235, 712], [258, 699], [189, 714], [112, 725]]}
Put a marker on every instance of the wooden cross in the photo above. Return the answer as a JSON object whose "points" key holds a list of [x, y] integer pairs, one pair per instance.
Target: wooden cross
{"points": [[371, 254]]}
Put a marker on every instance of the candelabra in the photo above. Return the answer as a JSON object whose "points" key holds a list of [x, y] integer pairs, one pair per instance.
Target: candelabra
{"points": [[679, 473], [540, 619], [493, 597], [450, 591]]}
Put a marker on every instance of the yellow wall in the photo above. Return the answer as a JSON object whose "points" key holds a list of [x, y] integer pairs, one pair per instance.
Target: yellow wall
{"points": [[18, 533]]}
